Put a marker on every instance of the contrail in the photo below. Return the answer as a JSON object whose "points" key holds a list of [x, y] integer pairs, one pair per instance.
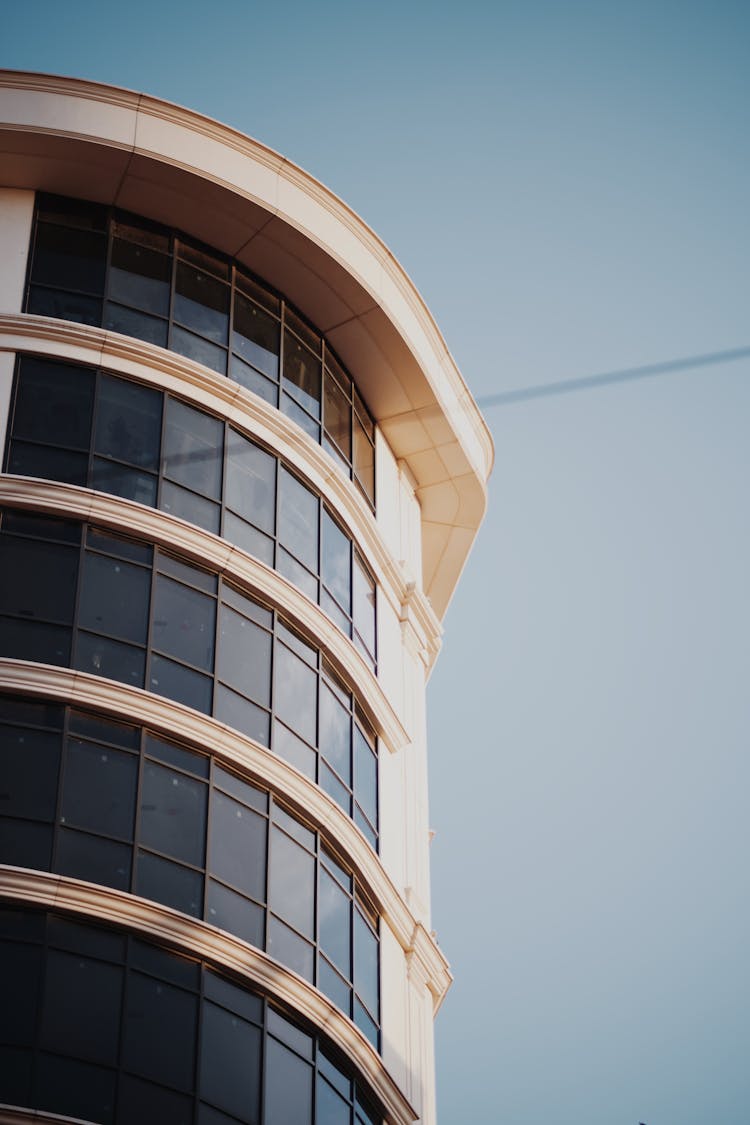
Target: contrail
{"points": [[588, 382]]}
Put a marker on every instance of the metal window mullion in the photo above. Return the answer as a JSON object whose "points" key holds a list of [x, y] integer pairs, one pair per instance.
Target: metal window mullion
{"points": [[60, 784], [138, 799]]}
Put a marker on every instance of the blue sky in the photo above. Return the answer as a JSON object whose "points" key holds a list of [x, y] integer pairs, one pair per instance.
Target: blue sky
{"points": [[567, 184]]}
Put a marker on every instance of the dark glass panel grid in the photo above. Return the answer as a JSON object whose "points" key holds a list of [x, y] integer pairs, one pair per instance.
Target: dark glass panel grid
{"points": [[121, 807], [92, 428], [116, 608], [104, 267], [109, 1028]]}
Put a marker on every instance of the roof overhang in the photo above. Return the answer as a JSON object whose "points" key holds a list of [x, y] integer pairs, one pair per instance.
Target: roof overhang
{"points": [[177, 167]]}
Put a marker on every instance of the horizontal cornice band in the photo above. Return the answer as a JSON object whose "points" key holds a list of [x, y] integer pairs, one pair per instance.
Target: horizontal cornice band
{"points": [[128, 912], [221, 396], [201, 732], [206, 549]]}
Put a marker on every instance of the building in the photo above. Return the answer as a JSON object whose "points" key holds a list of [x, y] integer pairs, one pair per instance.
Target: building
{"points": [[241, 477]]}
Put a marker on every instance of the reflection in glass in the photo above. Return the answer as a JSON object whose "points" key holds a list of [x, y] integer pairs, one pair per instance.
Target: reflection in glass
{"points": [[128, 422]]}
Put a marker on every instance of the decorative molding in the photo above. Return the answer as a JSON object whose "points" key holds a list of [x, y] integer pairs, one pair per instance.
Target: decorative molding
{"points": [[137, 915], [178, 375], [175, 720], [207, 549]]}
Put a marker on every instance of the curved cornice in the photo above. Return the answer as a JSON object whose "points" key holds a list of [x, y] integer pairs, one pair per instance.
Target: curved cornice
{"points": [[176, 166], [137, 915], [176, 721], [209, 550], [98, 347]]}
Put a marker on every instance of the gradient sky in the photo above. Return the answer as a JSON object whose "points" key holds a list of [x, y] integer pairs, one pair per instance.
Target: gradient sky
{"points": [[568, 186]]}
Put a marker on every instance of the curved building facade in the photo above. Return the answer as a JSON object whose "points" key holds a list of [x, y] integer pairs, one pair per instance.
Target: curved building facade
{"points": [[241, 475]]}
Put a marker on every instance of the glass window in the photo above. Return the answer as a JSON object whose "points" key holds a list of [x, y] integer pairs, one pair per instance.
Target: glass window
{"points": [[76, 1089], [334, 923], [92, 858], [337, 416], [365, 776], [366, 963], [186, 505], [183, 685], [29, 762], [65, 306], [255, 336], [128, 422], [244, 656], [251, 482], [38, 580], [286, 945], [291, 890], [295, 693], [169, 883], [302, 374], [130, 322], [112, 659], [184, 623], [114, 598], [159, 1032], [140, 270], [193, 448], [54, 402], [195, 347], [20, 977], [119, 480], [173, 813], [335, 733], [25, 844], [236, 914], [364, 606], [330, 1107], [201, 302], [230, 1063], [99, 789], [298, 519], [288, 1086], [91, 989], [66, 258], [336, 562], [237, 845]]}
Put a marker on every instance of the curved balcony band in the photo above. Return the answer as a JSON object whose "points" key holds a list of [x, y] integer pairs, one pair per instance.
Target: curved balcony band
{"points": [[163, 1033], [103, 267], [113, 804], [76, 596], [96, 429]]}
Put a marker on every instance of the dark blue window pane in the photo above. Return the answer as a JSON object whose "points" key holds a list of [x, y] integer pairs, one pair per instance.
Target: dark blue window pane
{"points": [[53, 404], [235, 914], [251, 482], [69, 258], [29, 761], [99, 789], [90, 989], [244, 656], [186, 505], [238, 845], [330, 1107], [288, 1087], [230, 1063], [173, 755], [37, 580], [193, 448], [15, 1076], [195, 347], [128, 422], [173, 813], [184, 623], [175, 681], [31, 640], [114, 598], [334, 737], [94, 859], [130, 322], [140, 273], [159, 1032], [294, 750], [291, 889], [295, 693], [255, 336], [170, 884], [201, 302], [140, 1101], [248, 377], [74, 1089], [302, 374], [334, 923], [65, 306], [298, 520], [366, 964], [26, 460], [111, 659], [336, 562], [20, 975], [120, 480], [25, 844], [365, 776]]}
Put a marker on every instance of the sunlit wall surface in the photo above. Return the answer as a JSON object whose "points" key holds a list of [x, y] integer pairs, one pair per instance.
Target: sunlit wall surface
{"points": [[214, 883]]}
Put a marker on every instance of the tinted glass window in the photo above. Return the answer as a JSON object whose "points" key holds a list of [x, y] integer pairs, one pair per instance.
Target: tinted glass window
{"points": [[230, 1063], [193, 448], [251, 482], [255, 336], [159, 1032], [140, 271], [288, 1086], [295, 692], [298, 519], [245, 656], [292, 883], [114, 598], [92, 990], [201, 303], [37, 580], [238, 845], [70, 259], [128, 422], [54, 403], [29, 761], [173, 813], [184, 623], [90, 857], [99, 789]]}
